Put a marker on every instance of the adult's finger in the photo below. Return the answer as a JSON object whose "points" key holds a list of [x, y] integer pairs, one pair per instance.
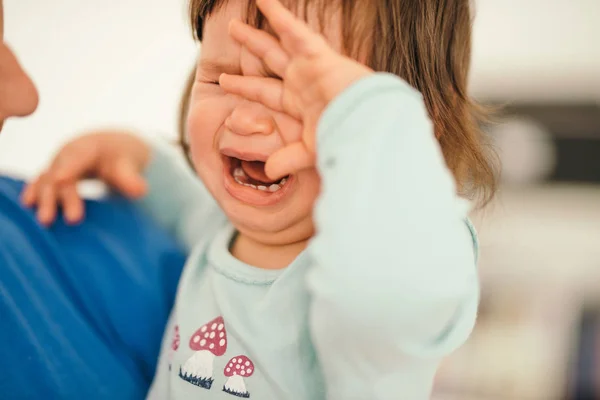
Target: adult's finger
{"points": [[46, 213], [288, 160], [74, 163], [124, 175], [72, 204], [29, 194], [262, 45]]}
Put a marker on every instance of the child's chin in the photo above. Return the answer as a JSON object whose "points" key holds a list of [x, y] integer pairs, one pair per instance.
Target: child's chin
{"points": [[273, 232]]}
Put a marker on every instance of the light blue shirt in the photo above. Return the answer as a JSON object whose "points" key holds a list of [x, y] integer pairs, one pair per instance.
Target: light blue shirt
{"points": [[386, 288]]}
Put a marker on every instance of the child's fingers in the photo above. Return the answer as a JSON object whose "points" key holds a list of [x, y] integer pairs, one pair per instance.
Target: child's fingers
{"points": [[295, 35], [262, 45], [288, 160], [73, 207], [267, 91], [125, 177], [47, 199]]}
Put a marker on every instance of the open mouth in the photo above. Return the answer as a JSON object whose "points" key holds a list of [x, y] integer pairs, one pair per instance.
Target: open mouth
{"points": [[252, 174], [248, 181]]}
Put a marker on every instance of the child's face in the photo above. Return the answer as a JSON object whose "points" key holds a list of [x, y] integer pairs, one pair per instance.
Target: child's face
{"points": [[227, 133]]}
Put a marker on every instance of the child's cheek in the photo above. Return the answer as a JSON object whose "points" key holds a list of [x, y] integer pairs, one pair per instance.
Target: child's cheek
{"points": [[205, 119], [203, 126]]}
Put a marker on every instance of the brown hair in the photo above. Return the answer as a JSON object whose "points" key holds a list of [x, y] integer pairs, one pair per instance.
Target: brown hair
{"points": [[428, 44]]}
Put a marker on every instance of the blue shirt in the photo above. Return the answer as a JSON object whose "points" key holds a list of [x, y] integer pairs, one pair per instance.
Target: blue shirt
{"points": [[82, 309]]}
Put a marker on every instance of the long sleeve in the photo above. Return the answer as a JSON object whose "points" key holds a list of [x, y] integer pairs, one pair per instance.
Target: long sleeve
{"points": [[177, 199], [394, 287]]}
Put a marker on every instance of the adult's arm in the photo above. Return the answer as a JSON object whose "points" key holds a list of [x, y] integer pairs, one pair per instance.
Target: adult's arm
{"points": [[83, 308]]}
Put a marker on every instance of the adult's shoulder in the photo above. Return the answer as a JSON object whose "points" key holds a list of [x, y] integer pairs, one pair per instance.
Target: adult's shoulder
{"points": [[114, 230], [118, 268], [111, 215]]}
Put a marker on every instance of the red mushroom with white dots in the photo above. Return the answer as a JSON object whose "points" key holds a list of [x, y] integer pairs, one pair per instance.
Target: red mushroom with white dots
{"points": [[208, 342], [236, 370]]}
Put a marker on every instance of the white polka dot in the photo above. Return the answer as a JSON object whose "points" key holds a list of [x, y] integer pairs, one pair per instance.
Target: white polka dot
{"points": [[247, 363], [242, 373], [239, 361], [231, 365], [196, 339], [203, 329], [220, 327], [206, 335], [221, 334], [249, 370], [212, 335], [228, 369], [237, 366], [233, 360], [213, 326], [202, 342], [211, 346], [222, 342]]}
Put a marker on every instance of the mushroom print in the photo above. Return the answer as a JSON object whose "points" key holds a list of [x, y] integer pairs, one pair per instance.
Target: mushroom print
{"points": [[237, 369], [174, 344], [208, 342], [176, 339]]}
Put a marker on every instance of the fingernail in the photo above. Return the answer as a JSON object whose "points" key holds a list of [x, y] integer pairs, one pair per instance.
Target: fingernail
{"points": [[43, 220], [73, 219]]}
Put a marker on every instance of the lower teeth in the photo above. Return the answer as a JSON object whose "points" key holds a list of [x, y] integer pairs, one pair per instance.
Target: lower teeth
{"points": [[239, 173]]}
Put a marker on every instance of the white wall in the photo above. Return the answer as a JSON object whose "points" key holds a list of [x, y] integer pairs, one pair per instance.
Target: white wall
{"points": [[119, 62], [537, 49], [123, 62]]}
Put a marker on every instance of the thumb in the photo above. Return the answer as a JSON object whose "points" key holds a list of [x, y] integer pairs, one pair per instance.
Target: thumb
{"points": [[125, 176], [290, 159]]}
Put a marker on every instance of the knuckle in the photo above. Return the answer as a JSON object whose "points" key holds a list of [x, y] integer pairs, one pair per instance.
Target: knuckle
{"points": [[41, 180], [104, 169]]}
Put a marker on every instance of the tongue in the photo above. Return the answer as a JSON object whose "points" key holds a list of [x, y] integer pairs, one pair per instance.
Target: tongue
{"points": [[256, 171]]}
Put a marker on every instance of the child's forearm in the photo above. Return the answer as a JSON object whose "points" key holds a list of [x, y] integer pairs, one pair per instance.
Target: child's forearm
{"points": [[395, 267], [177, 199]]}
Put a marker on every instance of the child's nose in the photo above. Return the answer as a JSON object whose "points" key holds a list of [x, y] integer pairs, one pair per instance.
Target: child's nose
{"points": [[250, 119]]}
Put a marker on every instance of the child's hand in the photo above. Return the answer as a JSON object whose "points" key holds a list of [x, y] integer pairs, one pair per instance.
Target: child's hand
{"points": [[312, 75], [117, 158]]}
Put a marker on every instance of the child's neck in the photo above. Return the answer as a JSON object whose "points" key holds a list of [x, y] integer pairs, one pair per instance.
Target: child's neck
{"points": [[265, 256]]}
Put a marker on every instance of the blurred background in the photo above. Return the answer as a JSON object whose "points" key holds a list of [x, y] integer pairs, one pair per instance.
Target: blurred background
{"points": [[124, 62]]}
